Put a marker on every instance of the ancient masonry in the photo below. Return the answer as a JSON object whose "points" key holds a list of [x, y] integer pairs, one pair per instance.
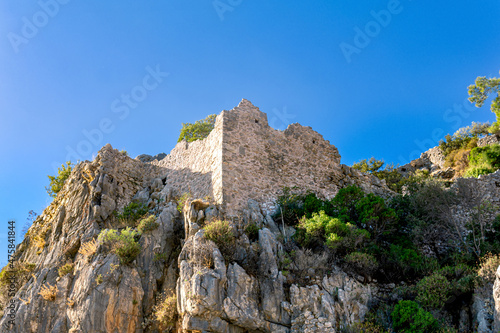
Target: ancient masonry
{"points": [[244, 158]]}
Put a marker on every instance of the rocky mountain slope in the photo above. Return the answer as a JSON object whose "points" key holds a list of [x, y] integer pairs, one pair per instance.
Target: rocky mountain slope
{"points": [[70, 280]]}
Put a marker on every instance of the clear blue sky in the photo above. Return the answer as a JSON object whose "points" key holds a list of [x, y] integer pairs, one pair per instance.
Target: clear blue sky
{"points": [[376, 78]]}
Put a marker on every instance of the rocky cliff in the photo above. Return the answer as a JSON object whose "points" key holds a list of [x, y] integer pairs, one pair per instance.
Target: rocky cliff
{"points": [[69, 280]]}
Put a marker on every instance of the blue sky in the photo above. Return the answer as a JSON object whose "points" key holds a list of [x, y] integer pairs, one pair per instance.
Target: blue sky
{"points": [[377, 78]]}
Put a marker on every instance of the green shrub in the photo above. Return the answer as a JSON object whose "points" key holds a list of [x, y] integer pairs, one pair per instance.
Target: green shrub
{"points": [[291, 206], [197, 131], [312, 204], [409, 317], [219, 231], [315, 226], [488, 266], [362, 263], [132, 213], [407, 261], [315, 230], [432, 291], [252, 231], [463, 138], [483, 160], [147, 224], [477, 171], [390, 173], [165, 312], [479, 93], [66, 269], [365, 327], [57, 182], [353, 238], [182, 201], [337, 234], [123, 243], [368, 166], [375, 216], [344, 203], [160, 257]]}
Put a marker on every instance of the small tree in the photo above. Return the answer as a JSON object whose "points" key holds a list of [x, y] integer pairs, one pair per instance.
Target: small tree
{"points": [[57, 182], [123, 243], [479, 92], [197, 131], [370, 166], [32, 215]]}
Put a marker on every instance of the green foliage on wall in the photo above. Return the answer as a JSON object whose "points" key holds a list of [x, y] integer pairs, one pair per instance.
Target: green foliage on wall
{"points": [[197, 131], [57, 182]]}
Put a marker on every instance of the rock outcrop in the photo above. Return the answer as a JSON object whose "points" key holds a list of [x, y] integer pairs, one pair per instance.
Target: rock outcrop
{"points": [[73, 282]]}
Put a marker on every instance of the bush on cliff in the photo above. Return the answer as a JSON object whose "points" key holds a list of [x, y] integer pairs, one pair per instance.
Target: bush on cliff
{"points": [[409, 317], [165, 311], [122, 243], [147, 224], [57, 182], [479, 93], [373, 166], [483, 160], [336, 234], [221, 233], [197, 131], [132, 213]]}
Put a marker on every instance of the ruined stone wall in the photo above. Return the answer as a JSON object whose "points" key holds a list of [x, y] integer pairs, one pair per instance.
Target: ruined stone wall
{"points": [[244, 158], [196, 167], [258, 161]]}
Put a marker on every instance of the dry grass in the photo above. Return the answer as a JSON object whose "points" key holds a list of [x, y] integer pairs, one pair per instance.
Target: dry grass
{"points": [[202, 254], [87, 176], [165, 312], [28, 301], [88, 248], [458, 160], [48, 292], [488, 268], [66, 269], [39, 241], [70, 302]]}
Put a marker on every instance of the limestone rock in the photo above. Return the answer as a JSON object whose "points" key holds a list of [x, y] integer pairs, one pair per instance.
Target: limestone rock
{"points": [[496, 297]]}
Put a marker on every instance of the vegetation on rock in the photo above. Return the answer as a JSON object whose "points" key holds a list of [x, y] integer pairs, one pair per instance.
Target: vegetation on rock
{"points": [[165, 312], [65, 269], [122, 243], [181, 202], [409, 317], [48, 292], [147, 224], [197, 131], [389, 239], [132, 213], [57, 182], [480, 91]]}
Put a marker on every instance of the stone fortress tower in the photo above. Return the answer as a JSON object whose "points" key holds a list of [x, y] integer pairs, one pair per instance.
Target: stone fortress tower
{"points": [[244, 158]]}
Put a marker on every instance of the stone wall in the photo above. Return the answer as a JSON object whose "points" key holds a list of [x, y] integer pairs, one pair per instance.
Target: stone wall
{"points": [[258, 161], [244, 158], [196, 167]]}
